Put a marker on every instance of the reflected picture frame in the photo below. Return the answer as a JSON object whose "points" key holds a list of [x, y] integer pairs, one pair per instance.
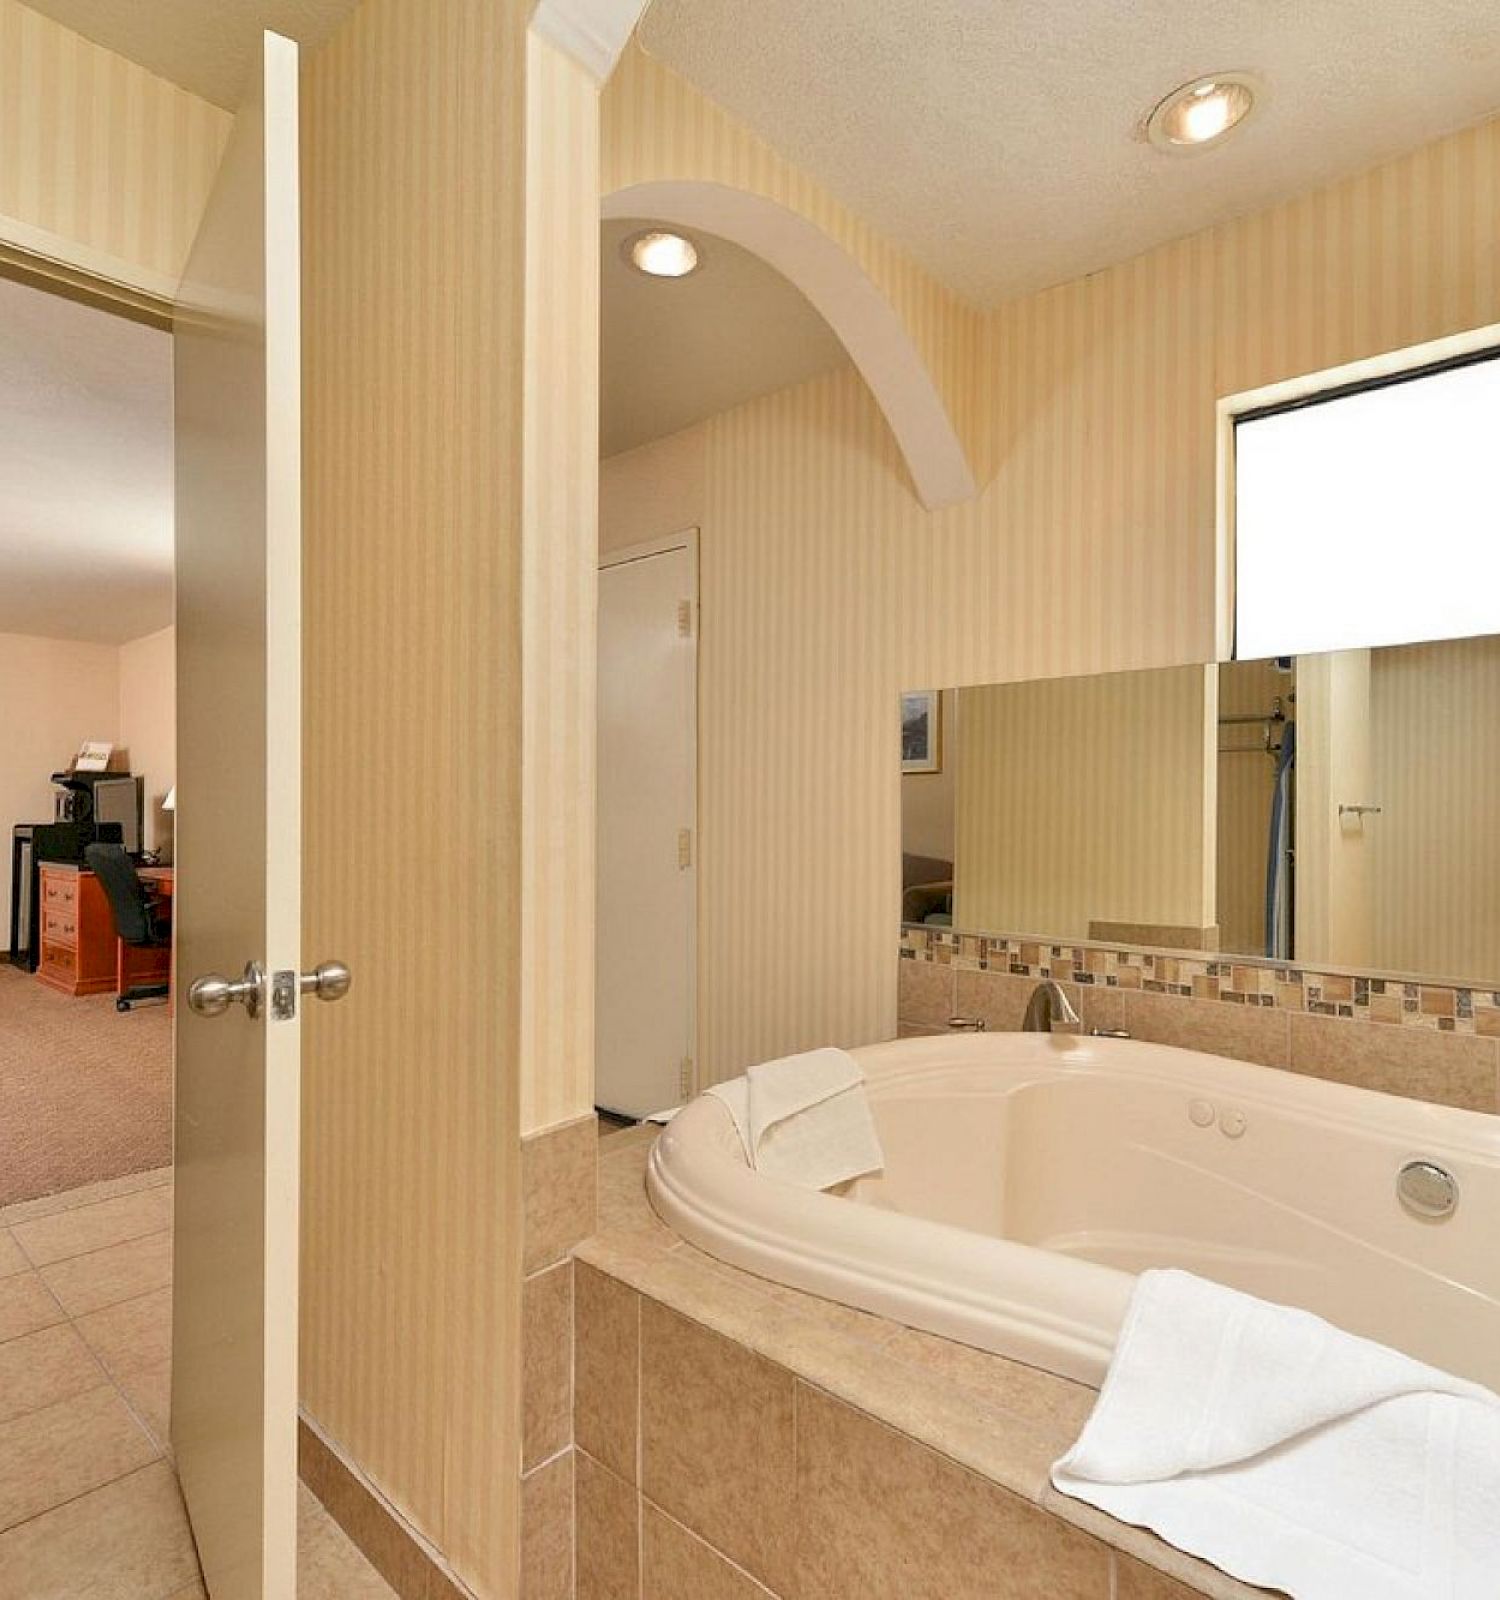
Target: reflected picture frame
{"points": [[921, 732]]}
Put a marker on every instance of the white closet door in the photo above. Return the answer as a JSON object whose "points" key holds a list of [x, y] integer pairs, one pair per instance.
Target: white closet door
{"points": [[647, 828]]}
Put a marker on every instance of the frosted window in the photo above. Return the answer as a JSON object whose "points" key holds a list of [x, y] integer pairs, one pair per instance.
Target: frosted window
{"points": [[1372, 518]]}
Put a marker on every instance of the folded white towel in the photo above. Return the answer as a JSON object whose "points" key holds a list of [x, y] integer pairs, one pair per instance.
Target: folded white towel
{"points": [[1292, 1454], [805, 1118]]}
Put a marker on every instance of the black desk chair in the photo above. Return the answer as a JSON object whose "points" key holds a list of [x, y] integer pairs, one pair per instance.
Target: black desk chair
{"points": [[137, 915]]}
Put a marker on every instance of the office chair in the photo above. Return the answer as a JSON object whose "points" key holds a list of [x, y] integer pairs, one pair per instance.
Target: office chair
{"points": [[137, 921]]}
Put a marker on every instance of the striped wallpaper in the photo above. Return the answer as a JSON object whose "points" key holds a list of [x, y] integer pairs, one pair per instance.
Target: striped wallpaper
{"points": [[414, 185], [109, 164], [1085, 800], [559, 579], [656, 126], [1435, 772], [826, 589], [1334, 864]]}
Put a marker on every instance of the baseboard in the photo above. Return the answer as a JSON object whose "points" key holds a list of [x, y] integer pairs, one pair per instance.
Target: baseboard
{"points": [[408, 1562]]}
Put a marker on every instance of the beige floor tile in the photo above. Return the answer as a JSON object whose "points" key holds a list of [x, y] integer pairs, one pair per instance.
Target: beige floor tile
{"points": [[12, 1257], [79, 1230], [135, 1333], [148, 1390], [26, 1304], [89, 1194], [118, 1272], [126, 1541], [328, 1565], [43, 1368], [53, 1456]]}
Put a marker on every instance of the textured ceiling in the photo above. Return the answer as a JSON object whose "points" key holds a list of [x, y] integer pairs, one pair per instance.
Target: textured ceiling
{"points": [[204, 45], [85, 470], [674, 351], [998, 140]]}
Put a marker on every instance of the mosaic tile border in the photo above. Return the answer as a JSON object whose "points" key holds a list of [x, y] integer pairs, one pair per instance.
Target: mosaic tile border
{"points": [[1439, 1007]]}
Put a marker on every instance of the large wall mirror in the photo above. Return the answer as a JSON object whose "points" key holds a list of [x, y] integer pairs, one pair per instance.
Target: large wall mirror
{"points": [[1332, 810]]}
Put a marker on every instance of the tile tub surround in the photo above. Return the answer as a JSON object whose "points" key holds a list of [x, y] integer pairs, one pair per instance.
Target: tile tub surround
{"points": [[1425, 1041], [737, 1440], [559, 1187]]}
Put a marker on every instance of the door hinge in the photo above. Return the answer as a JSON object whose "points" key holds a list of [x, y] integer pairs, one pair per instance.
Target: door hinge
{"points": [[685, 618], [684, 848], [685, 1076]]}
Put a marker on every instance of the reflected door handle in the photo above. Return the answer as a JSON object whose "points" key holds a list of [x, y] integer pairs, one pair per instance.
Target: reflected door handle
{"points": [[329, 980], [212, 995]]}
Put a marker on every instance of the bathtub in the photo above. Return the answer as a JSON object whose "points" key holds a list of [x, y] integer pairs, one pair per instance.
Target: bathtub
{"points": [[1028, 1177]]}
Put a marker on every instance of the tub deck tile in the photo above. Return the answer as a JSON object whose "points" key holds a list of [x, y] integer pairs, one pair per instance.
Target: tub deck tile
{"points": [[999, 1419]]}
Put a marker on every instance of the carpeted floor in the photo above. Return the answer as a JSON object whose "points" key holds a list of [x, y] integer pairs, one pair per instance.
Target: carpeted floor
{"points": [[85, 1091]]}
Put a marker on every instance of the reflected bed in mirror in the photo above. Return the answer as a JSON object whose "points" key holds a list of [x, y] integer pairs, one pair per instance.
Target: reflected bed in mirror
{"points": [[1331, 810]]}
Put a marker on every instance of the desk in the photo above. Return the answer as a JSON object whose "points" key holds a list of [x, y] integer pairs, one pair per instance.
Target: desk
{"points": [[80, 953]]}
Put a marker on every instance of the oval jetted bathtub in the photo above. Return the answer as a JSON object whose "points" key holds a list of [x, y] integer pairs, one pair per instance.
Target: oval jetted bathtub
{"points": [[1028, 1177]]}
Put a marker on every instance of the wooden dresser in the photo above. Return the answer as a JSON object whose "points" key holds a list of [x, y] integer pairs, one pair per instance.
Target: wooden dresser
{"points": [[78, 931]]}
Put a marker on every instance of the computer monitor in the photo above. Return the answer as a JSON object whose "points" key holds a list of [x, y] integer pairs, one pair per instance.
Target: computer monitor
{"points": [[121, 800]]}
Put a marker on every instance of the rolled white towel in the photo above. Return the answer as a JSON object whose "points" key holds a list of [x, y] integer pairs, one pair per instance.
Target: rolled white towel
{"points": [[805, 1118]]}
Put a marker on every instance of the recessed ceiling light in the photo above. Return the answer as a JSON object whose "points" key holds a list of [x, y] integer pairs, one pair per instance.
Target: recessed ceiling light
{"points": [[1202, 112], [662, 254]]}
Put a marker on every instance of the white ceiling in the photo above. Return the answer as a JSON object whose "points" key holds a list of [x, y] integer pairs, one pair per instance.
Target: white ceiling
{"points": [[204, 45], [676, 350], [998, 140], [85, 470]]}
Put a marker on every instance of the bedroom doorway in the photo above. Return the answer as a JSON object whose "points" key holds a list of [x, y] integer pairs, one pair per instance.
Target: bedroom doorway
{"points": [[88, 741], [645, 1006]]}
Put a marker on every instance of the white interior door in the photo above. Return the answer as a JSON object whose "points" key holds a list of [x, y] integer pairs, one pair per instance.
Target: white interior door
{"points": [[239, 544], [648, 709]]}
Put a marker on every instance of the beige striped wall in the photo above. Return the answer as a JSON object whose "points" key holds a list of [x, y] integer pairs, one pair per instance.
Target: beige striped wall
{"points": [[1086, 800], [559, 578], [413, 250], [99, 154], [826, 589], [658, 126], [1435, 772], [1334, 863]]}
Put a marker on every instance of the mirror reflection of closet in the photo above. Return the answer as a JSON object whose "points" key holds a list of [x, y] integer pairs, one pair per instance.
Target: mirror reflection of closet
{"points": [[1334, 809]]}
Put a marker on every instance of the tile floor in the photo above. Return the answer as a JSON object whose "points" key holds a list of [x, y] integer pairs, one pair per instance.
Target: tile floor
{"points": [[89, 1506]]}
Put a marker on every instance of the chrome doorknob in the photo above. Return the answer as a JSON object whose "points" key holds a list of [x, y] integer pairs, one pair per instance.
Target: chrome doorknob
{"points": [[329, 980], [212, 995]]}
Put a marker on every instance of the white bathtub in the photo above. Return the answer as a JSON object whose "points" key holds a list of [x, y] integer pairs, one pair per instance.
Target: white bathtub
{"points": [[1028, 1177]]}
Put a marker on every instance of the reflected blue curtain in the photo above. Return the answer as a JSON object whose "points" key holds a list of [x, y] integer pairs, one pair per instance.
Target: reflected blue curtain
{"points": [[1279, 851]]}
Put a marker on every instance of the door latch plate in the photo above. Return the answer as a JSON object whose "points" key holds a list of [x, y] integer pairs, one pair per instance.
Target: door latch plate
{"points": [[283, 996]]}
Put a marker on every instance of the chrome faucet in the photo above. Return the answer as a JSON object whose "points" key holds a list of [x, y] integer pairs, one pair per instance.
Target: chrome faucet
{"points": [[1047, 1007]]}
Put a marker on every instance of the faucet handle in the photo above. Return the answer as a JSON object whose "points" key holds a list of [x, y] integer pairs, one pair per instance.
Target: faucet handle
{"points": [[966, 1024]]}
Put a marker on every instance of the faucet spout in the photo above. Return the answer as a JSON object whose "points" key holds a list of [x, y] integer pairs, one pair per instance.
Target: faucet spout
{"points": [[1048, 1008]]}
